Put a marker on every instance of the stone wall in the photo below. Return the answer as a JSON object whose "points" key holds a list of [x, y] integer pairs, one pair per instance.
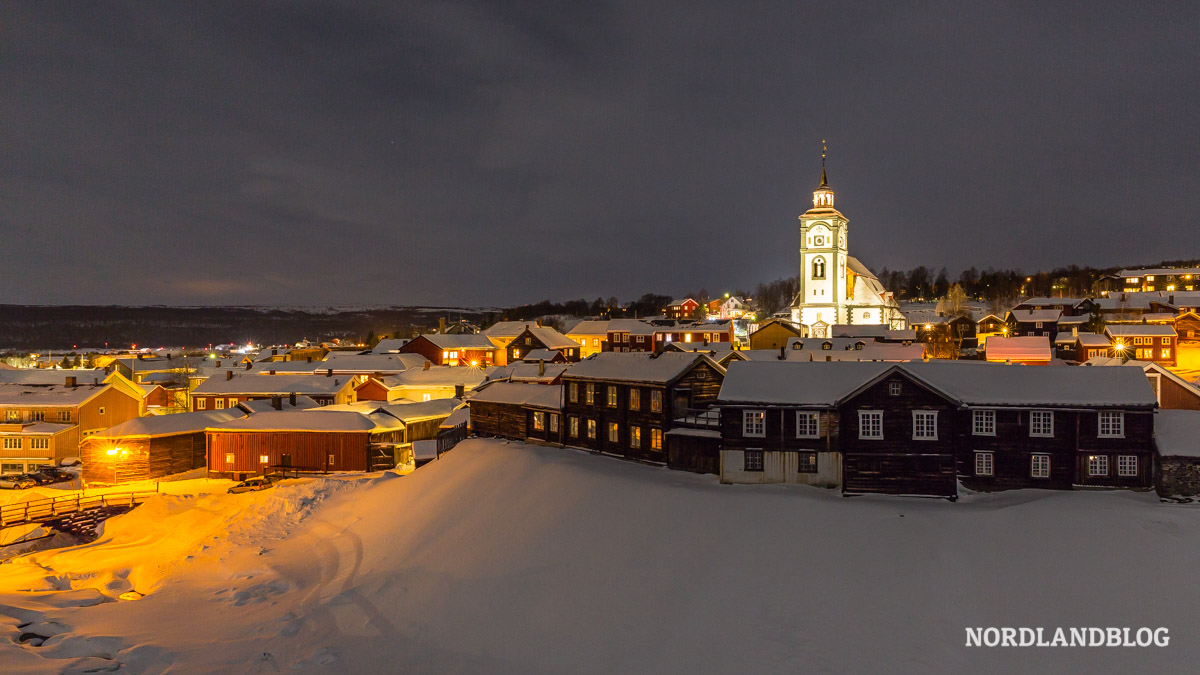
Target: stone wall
{"points": [[1177, 476]]}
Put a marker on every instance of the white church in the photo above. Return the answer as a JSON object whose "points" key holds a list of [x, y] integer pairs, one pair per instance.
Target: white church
{"points": [[835, 288]]}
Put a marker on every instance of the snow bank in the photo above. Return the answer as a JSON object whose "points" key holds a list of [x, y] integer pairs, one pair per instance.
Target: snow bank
{"points": [[504, 557]]}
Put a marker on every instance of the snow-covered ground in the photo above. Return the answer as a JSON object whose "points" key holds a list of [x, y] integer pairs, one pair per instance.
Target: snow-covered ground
{"points": [[503, 557]]}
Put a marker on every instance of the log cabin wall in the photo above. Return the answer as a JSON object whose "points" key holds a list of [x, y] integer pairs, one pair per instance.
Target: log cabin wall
{"points": [[310, 451]]}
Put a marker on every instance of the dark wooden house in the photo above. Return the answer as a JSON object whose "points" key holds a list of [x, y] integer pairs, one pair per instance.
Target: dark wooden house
{"points": [[147, 448], [541, 338], [624, 403], [468, 349], [1024, 322], [518, 410], [1187, 328]]}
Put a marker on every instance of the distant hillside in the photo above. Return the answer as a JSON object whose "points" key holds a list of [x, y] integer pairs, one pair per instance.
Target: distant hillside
{"points": [[28, 327]]}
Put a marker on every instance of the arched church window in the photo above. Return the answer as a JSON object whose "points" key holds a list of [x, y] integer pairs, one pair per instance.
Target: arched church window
{"points": [[818, 268]]}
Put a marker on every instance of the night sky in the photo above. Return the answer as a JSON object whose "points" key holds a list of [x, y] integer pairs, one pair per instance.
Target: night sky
{"points": [[497, 153]]}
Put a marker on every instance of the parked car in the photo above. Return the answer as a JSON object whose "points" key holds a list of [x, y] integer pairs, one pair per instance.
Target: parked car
{"points": [[254, 484], [59, 475], [16, 482], [41, 478]]}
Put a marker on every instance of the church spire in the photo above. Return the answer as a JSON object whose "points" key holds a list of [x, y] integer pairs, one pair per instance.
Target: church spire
{"points": [[823, 195]]}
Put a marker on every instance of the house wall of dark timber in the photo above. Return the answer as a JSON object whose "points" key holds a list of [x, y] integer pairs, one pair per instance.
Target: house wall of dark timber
{"points": [[695, 389], [499, 420], [898, 464], [1188, 327], [141, 458], [1173, 396], [697, 454], [527, 341]]}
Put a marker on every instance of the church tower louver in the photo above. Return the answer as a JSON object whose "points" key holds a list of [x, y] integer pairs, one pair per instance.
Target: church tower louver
{"points": [[834, 287]]}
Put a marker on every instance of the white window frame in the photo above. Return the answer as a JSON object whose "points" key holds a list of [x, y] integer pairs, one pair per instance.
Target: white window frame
{"points": [[39, 443], [985, 463], [612, 396], [983, 422], [1095, 461], [925, 415], [1116, 424], [810, 422], [201, 404], [614, 432], [573, 426], [656, 439], [220, 404], [635, 437], [263, 459], [1127, 465], [554, 423], [1041, 414], [754, 423], [12, 443], [1039, 465], [876, 417]]}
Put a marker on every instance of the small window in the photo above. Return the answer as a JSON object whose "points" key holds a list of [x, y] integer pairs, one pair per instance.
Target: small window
{"points": [[612, 395], [1166, 341], [553, 423], [1127, 465], [983, 464], [1166, 354], [1039, 466], [895, 388], [614, 433], [12, 443], [870, 424], [539, 421], [1041, 423], [983, 422], [424, 397], [39, 443], [753, 460], [591, 429], [635, 437], [656, 439], [925, 425], [516, 354], [808, 462], [807, 425], [263, 459], [332, 460], [573, 392], [1112, 424], [635, 398], [220, 404], [573, 426], [40, 415], [201, 403], [13, 415], [754, 423], [229, 458], [1097, 465], [528, 341], [590, 394], [656, 401]]}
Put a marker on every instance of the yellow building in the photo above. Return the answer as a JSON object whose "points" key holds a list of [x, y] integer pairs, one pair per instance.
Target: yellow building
{"points": [[590, 335]]}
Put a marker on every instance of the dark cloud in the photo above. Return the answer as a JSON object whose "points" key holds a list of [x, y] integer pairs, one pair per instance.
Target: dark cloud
{"points": [[495, 153]]}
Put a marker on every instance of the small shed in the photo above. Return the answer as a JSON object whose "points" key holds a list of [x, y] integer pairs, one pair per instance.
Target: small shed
{"points": [[1177, 437], [147, 448]]}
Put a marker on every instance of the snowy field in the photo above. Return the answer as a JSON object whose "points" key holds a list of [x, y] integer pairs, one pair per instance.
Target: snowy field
{"points": [[512, 558]]}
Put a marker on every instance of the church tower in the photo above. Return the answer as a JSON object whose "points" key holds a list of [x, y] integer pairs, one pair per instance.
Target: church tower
{"points": [[823, 294]]}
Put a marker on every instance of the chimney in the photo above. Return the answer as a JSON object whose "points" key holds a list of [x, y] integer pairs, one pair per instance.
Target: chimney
{"points": [[459, 390], [248, 364], [442, 325], [292, 399], [277, 402], [218, 364], [271, 372], [71, 381], [782, 352], [426, 366], [228, 375], [541, 368], [329, 372]]}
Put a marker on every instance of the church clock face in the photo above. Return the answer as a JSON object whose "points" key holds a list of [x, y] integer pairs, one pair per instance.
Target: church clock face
{"points": [[818, 241]]}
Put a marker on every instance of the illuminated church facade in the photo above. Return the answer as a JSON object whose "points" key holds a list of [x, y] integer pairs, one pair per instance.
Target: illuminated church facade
{"points": [[835, 288]]}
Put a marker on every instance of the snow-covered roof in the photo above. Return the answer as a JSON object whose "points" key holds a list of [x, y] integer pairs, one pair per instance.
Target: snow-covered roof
{"points": [[527, 372], [459, 340], [458, 417], [168, 425], [588, 327], [1158, 271], [1024, 348], [841, 349], [969, 383], [265, 404], [636, 366], [552, 339], [535, 355], [389, 345], [309, 420], [350, 362], [1051, 302], [422, 410], [1140, 330], [437, 376], [679, 301], [1032, 315], [845, 330], [710, 348], [273, 384], [54, 395], [1092, 340], [520, 393], [1177, 433], [41, 428], [631, 326], [508, 329], [52, 375]]}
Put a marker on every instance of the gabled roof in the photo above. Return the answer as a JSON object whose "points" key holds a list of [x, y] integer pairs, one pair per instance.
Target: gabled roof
{"points": [[459, 340], [280, 385], [631, 326], [803, 383], [1031, 315], [680, 301], [350, 362], [551, 338], [265, 404], [436, 376], [535, 355], [520, 393], [509, 329], [1092, 340], [170, 425], [638, 366], [588, 327], [527, 372], [1140, 330], [389, 345], [49, 395], [783, 323], [1024, 348], [330, 421], [52, 375]]}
